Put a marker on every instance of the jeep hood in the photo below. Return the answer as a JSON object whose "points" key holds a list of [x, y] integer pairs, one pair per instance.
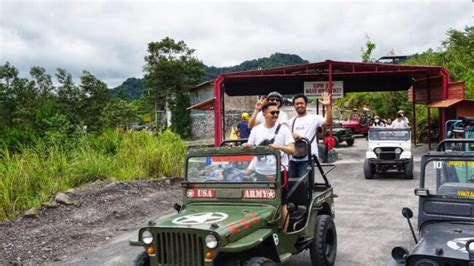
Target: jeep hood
{"points": [[449, 236], [229, 221]]}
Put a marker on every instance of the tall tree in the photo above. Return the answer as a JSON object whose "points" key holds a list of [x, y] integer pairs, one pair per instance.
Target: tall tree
{"points": [[95, 97], [369, 48], [170, 69]]}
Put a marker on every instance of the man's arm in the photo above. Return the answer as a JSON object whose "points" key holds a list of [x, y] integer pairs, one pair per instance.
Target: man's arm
{"points": [[288, 149], [253, 119]]}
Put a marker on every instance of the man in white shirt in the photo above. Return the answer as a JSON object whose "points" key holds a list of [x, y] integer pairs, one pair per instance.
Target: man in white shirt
{"points": [[305, 125], [283, 141], [257, 115]]}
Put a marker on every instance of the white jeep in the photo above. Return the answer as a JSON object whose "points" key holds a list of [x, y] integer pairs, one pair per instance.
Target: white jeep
{"points": [[389, 149]]}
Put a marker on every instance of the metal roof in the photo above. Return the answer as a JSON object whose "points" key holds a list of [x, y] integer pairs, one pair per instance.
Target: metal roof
{"points": [[357, 77]]}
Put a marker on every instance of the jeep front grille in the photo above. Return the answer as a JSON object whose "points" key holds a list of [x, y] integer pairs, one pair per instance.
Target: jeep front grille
{"points": [[388, 153], [180, 249]]}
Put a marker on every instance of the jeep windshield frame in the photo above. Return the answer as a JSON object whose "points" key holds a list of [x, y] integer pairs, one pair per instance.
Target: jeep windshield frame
{"points": [[447, 176], [389, 134], [233, 165], [444, 206]]}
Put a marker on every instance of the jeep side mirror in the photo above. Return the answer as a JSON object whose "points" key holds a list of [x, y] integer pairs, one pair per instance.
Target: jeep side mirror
{"points": [[400, 254], [177, 207], [407, 213]]}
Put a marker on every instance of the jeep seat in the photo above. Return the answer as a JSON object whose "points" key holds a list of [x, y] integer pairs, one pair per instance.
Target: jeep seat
{"points": [[298, 194]]}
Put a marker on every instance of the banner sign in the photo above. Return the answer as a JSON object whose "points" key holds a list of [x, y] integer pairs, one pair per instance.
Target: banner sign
{"points": [[316, 88]]}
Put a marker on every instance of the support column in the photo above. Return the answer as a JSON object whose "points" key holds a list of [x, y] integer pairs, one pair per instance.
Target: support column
{"points": [[414, 115], [218, 111]]}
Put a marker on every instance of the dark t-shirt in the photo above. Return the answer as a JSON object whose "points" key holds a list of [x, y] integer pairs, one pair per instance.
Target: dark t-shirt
{"points": [[244, 130]]}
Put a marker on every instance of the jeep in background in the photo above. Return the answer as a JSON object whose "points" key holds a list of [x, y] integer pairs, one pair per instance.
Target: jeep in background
{"points": [[340, 134], [389, 149], [231, 217], [445, 211]]}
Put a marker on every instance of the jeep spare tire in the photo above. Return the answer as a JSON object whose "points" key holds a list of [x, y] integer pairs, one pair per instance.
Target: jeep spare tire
{"points": [[368, 172], [324, 246]]}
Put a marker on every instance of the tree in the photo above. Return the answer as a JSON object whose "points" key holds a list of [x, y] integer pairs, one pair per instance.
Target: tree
{"points": [[117, 114], [170, 70], [457, 57], [369, 48], [93, 100]]}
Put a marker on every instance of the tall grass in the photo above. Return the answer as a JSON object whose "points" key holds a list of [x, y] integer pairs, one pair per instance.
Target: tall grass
{"points": [[33, 174]]}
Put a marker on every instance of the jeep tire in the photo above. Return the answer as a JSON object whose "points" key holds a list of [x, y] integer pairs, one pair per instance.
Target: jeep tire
{"points": [[350, 142], [259, 261], [368, 170], [324, 246], [408, 169], [142, 260]]}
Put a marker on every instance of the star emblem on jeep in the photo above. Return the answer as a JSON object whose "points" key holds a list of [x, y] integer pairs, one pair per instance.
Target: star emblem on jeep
{"points": [[201, 218]]}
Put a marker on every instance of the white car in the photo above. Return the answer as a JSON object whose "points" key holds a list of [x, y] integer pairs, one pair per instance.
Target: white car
{"points": [[389, 149]]}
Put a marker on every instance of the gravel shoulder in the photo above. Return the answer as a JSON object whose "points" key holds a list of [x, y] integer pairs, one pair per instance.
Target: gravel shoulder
{"points": [[93, 216]]}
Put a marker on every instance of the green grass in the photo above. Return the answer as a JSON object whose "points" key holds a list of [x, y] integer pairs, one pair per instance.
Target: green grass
{"points": [[34, 174]]}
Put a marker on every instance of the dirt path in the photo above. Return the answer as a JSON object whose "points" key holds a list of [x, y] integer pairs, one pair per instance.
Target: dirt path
{"points": [[98, 212]]}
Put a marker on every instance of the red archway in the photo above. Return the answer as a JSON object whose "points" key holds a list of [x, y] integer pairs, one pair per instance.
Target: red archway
{"points": [[356, 76]]}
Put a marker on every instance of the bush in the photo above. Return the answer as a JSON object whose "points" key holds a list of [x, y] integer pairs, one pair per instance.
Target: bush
{"points": [[33, 174]]}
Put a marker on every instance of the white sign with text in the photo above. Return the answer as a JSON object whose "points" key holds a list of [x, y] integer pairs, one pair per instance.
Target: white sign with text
{"points": [[316, 88]]}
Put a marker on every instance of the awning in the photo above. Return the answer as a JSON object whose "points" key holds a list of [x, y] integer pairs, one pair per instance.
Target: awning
{"points": [[204, 105], [443, 103]]}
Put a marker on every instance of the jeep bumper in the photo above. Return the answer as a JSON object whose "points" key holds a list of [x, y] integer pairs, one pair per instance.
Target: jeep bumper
{"points": [[390, 162]]}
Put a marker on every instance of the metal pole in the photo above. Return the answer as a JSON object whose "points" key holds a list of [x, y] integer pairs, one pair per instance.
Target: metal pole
{"points": [[429, 114], [414, 115]]}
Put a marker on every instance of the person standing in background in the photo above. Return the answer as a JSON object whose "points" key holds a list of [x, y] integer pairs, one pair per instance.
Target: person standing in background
{"points": [[243, 126]]}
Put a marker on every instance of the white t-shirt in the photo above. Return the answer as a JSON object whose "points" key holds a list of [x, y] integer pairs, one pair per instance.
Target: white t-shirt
{"points": [[259, 133], [399, 124], [306, 127], [282, 118]]}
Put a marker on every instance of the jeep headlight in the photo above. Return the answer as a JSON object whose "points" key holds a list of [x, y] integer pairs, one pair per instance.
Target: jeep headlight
{"points": [[147, 237], [398, 150], [377, 150], [211, 241]]}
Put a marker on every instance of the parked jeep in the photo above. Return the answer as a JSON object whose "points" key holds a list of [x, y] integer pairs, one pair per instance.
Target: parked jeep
{"points": [[389, 149], [445, 211], [342, 134], [231, 217]]}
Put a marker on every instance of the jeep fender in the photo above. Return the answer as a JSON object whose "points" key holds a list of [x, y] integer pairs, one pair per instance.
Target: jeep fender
{"points": [[405, 155], [248, 242], [370, 155]]}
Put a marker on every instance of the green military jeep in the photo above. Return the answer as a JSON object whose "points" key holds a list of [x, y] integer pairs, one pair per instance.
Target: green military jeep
{"points": [[232, 215]]}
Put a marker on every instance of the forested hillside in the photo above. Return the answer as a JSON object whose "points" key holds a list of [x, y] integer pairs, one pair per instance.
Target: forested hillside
{"points": [[132, 88]]}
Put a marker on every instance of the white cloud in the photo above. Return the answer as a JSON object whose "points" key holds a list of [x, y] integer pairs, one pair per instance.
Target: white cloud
{"points": [[109, 38]]}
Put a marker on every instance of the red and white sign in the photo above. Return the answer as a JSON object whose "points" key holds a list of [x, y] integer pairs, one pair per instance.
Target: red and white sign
{"points": [[201, 193], [316, 88], [259, 193]]}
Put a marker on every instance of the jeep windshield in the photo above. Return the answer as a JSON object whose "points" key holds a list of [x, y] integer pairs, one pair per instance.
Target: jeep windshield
{"points": [[392, 134], [450, 177], [232, 168]]}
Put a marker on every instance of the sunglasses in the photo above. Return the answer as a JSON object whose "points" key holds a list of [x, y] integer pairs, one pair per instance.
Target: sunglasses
{"points": [[274, 112], [274, 100]]}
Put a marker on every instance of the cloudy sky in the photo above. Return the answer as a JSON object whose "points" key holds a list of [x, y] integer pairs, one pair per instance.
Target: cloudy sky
{"points": [[109, 38]]}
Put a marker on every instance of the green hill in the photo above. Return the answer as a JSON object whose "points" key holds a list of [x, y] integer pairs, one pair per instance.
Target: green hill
{"points": [[132, 88]]}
